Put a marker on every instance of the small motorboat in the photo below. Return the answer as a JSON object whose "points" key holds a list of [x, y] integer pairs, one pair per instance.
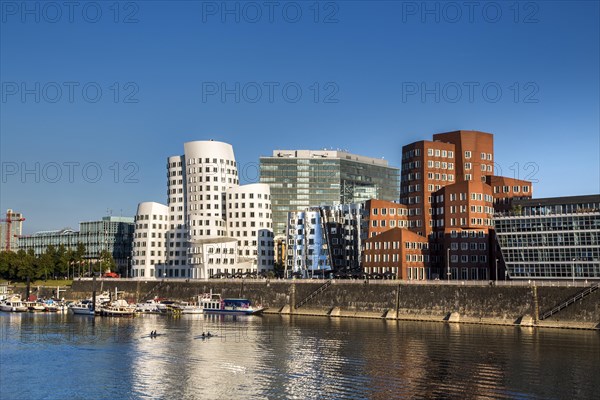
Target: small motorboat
{"points": [[150, 306], [34, 306], [13, 304], [84, 307], [118, 308]]}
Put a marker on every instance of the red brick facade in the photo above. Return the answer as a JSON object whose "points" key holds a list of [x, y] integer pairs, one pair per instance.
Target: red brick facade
{"points": [[398, 251], [449, 190], [381, 215]]}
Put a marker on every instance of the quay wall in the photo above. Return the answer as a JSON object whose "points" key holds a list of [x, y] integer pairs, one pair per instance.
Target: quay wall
{"points": [[504, 305]]}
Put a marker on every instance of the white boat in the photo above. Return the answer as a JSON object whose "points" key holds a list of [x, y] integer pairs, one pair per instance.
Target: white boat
{"points": [[187, 308], [165, 306], [118, 308], [13, 304], [85, 307], [82, 308], [150, 306], [213, 303], [34, 306]]}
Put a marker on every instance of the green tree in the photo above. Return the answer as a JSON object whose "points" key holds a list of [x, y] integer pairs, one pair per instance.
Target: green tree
{"points": [[5, 264], [35, 263], [78, 255], [24, 265], [47, 262], [61, 261], [107, 261]]}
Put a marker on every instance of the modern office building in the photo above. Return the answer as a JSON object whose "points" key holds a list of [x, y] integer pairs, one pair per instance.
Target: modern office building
{"points": [[214, 225], [40, 241], [11, 227], [311, 178], [111, 233], [551, 238]]}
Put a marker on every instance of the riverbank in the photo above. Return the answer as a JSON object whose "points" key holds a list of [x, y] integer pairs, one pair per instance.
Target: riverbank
{"points": [[390, 300]]}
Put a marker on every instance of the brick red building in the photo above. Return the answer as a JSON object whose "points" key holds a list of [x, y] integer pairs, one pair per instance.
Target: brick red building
{"points": [[449, 190], [506, 190], [398, 251], [382, 215]]}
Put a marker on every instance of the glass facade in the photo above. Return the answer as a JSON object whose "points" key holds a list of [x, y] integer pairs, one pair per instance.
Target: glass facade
{"points": [[114, 234], [551, 238], [301, 179], [41, 240]]}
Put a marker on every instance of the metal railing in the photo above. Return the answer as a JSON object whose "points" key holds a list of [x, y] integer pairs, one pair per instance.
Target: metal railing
{"points": [[319, 290], [442, 282], [570, 301]]}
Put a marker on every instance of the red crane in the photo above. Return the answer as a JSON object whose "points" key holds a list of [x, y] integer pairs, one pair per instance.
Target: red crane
{"points": [[9, 220]]}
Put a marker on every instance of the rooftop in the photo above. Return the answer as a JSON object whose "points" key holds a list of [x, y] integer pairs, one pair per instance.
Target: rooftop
{"points": [[329, 154]]}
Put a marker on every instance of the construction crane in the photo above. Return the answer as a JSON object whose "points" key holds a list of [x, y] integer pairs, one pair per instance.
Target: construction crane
{"points": [[8, 221]]}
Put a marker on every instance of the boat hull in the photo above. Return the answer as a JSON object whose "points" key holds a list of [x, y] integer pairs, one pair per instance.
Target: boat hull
{"points": [[82, 311], [117, 313], [10, 308], [192, 311], [253, 311]]}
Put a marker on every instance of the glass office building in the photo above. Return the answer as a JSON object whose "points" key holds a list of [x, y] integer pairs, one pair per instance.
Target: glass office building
{"points": [[305, 178], [551, 238], [114, 234], [40, 241]]}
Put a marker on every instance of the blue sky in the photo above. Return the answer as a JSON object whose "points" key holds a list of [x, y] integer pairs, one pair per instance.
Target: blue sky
{"points": [[116, 90]]}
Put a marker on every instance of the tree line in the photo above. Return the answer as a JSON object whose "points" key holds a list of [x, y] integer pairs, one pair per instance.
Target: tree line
{"points": [[55, 263]]}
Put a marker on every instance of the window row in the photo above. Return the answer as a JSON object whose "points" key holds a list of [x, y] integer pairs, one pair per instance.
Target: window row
{"points": [[440, 153]]}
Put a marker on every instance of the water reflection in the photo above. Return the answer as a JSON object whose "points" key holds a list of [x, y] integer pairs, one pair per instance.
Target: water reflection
{"points": [[283, 357]]}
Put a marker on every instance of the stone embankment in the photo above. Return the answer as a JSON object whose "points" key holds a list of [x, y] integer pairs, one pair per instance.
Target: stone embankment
{"points": [[499, 305]]}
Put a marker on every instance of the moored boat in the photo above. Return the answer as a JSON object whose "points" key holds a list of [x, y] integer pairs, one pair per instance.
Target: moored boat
{"points": [[118, 308], [188, 308], [34, 306], [13, 304], [84, 307], [213, 303], [150, 306]]}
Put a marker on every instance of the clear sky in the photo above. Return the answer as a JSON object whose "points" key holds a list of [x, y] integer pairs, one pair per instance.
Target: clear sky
{"points": [[110, 88]]}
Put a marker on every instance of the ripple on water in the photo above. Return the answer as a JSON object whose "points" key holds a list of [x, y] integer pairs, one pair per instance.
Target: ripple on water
{"points": [[290, 358]]}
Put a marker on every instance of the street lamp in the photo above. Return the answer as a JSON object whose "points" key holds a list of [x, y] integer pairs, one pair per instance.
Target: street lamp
{"points": [[448, 263], [573, 271], [496, 271]]}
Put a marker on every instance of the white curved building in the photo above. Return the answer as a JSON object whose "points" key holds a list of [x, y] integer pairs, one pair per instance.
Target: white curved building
{"points": [[149, 252], [210, 170], [199, 241], [250, 222]]}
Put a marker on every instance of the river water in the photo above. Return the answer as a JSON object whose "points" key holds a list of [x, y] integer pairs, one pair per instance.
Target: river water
{"points": [[50, 356]]}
